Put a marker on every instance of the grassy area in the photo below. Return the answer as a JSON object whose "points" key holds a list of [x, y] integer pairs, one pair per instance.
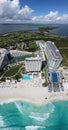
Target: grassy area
{"points": [[47, 29], [32, 46], [17, 37], [62, 45], [2, 72], [44, 75], [64, 53], [13, 72]]}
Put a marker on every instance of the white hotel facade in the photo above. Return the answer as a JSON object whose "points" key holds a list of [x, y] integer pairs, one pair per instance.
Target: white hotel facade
{"points": [[53, 55], [33, 64]]}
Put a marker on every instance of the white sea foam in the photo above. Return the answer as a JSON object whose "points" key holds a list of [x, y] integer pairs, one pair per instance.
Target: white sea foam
{"points": [[2, 123], [7, 101], [37, 117], [46, 115], [52, 107], [33, 127], [19, 107]]}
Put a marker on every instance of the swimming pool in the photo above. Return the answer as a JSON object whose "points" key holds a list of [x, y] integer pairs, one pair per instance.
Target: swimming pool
{"points": [[26, 77], [55, 77]]}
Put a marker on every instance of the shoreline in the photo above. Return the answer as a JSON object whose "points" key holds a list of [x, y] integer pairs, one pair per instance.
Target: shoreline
{"points": [[32, 30], [45, 102], [30, 91], [38, 100]]}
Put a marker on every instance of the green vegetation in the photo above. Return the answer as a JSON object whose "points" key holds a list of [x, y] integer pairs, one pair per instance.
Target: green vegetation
{"points": [[46, 29], [44, 75], [45, 84], [62, 45], [64, 53], [32, 46], [2, 80], [18, 38], [23, 69], [13, 72], [15, 39], [17, 77]]}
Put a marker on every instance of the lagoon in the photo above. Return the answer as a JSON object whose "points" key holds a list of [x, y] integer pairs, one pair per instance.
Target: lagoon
{"points": [[7, 28]]}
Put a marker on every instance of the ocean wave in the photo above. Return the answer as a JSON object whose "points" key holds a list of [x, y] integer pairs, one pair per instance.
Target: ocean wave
{"points": [[37, 117], [51, 107], [34, 127], [43, 116], [2, 123], [19, 107], [7, 101]]}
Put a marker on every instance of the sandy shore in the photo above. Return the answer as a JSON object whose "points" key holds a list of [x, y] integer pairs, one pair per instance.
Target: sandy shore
{"points": [[35, 95]]}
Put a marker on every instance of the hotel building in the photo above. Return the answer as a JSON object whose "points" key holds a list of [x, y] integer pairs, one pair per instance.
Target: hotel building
{"points": [[33, 64], [53, 55], [4, 58]]}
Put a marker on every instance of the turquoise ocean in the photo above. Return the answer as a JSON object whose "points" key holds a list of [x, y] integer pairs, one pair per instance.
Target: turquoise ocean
{"points": [[18, 115]]}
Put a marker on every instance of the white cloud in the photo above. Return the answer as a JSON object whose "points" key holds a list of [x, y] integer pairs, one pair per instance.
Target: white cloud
{"points": [[52, 17], [10, 11]]}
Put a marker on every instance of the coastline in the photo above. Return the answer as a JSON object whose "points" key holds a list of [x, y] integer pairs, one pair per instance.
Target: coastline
{"points": [[34, 101], [20, 29], [35, 95]]}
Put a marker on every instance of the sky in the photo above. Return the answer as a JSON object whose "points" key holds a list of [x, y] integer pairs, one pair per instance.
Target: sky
{"points": [[34, 11]]}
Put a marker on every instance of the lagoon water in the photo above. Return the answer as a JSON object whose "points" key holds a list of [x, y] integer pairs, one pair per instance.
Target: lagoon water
{"points": [[20, 115], [7, 28]]}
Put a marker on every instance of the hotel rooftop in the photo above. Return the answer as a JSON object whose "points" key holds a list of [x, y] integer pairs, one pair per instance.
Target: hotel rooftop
{"points": [[55, 52]]}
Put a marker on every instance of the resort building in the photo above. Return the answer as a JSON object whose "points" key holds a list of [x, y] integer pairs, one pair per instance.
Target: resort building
{"points": [[18, 53], [53, 55], [40, 43], [4, 58], [33, 64]]}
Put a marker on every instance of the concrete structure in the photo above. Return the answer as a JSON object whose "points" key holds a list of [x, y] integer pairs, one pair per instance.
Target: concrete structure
{"points": [[33, 64], [17, 53], [4, 58], [53, 55], [41, 53]]}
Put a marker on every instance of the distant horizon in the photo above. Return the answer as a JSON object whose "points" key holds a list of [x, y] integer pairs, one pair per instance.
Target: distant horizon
{"points": [[62, 29], [37, 23]]}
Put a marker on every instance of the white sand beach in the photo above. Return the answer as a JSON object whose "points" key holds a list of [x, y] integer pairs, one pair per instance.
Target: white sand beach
{"points": [[37, 95]]}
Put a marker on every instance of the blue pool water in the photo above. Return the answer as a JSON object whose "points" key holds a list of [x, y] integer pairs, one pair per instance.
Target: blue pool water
{"points": [[20, 115], [26, 77], [54, 77]]}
